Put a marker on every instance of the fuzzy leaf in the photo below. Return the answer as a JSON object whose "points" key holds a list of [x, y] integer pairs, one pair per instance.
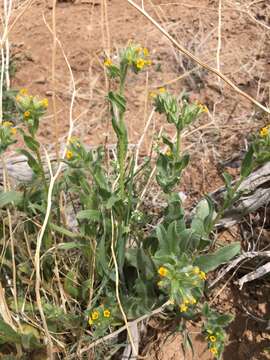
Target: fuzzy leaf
{"points": [[212, 261], [9, 197]]}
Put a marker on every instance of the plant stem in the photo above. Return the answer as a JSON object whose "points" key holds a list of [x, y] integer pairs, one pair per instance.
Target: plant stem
{"points": [[122, 139], [178, 142], [42, 171]]}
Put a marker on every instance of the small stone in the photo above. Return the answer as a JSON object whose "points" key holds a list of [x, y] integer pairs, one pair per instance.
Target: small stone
{"points": [[41, 80]]}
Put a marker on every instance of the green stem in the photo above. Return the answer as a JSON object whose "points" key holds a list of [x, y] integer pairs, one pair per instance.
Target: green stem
{"points": [[42, 171], [122, 139], [178, 142], [123, 79], [226, 204], [121, 158]]}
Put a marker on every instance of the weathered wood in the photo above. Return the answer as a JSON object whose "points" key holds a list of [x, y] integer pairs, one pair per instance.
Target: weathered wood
{"points": [[256, 194], [19, 171]]}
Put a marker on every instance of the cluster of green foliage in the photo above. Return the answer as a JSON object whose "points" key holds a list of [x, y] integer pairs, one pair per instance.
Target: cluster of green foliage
{"points": [[168, 263]]}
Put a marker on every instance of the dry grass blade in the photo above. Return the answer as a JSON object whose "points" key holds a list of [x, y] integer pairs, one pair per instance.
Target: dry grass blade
{"points": [[48, 210], [194, 58]]}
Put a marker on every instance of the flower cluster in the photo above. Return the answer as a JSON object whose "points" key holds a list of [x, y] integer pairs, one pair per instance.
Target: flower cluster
{"points": [[133, 55], [30, 106], [261, 145], [74, 149], [99, 320], [179, 113], [183, 282], [30, 109], [214, 329], [99, 314], [7, 132], [215, 338], [265, 131]]}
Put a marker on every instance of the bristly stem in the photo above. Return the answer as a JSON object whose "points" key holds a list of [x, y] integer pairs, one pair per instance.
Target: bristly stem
{"points": [[178, 142], [122, 139]]}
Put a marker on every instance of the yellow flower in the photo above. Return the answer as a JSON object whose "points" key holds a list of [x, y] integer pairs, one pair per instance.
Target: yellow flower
{"points": [[138, 50], [202, 275], [106, 313], [152, 94], [73, 140], [13, 131], [193, 301], [140, 63], [69, 154], [196, 270], [23, 92], [162, 271], [90, 321], [7, 124], [212, 338], [26, 114], [45, 103], [169, 152], [108, 62], [183, 308], [203, 108], [145, 52], [214, 350], [95, 315], [186, 301], [264, 132], [162, 90]]}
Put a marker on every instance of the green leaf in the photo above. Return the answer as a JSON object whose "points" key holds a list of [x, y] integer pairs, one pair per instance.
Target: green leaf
{"points": [[228, 179], [69, 284], [8, 335], [224, 320], [247, 164], [63, 231], [208, 221], [145, 265], [212, 261], [117, 100], [202, 211], [90, 214], [34, 165], [9, 197], [31, 143], [162, 237]]}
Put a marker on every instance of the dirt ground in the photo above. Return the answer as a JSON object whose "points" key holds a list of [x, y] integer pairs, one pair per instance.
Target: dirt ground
{"points": [[89, 30]]}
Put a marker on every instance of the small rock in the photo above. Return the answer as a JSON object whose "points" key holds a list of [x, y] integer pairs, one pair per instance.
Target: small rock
{"points": [[41, 80], [20, 44]]}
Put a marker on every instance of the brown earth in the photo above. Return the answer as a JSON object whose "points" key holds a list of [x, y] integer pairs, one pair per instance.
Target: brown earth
{"points": [[89, 30]]}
